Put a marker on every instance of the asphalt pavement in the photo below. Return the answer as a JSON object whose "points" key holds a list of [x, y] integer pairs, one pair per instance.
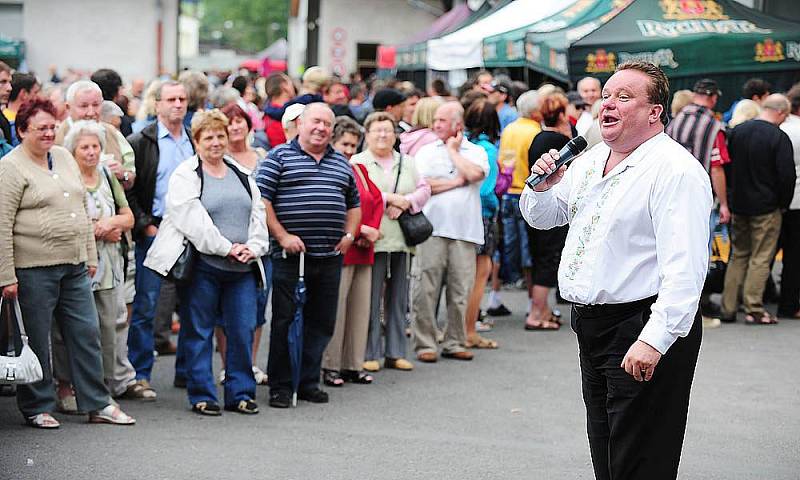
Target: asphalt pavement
{"points": [[513, 413]]}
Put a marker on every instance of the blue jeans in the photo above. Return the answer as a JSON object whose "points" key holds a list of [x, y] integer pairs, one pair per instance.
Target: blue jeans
{"points": [[319, 315], [140, 335], [63, 292], [233, 294], [516, 255]]}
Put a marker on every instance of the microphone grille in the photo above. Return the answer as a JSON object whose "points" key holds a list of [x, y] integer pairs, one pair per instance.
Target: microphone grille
{"points": [[577, 145]]}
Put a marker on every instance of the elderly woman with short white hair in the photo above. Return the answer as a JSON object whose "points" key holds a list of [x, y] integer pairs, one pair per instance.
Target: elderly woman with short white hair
{"points": [[108, 210]]}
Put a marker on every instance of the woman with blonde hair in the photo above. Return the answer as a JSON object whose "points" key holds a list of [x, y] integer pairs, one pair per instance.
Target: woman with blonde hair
{"points": [[214, 207], [680, 100], [745, 110], [421, 134]]}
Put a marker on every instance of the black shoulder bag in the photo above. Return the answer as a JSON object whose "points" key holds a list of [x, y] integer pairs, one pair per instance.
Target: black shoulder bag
{"points": [[416, 227], [182, 269]]}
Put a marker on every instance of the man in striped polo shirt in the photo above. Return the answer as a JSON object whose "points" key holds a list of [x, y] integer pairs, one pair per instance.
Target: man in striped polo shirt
{"points": [[313, 207]]}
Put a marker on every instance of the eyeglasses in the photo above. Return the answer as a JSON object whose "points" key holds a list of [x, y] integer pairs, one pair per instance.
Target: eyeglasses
{"points": [[43, 129], [380, 132]]}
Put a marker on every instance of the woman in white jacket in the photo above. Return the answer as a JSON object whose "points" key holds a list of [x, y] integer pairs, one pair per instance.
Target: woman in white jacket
{"points": [[217, 208]]}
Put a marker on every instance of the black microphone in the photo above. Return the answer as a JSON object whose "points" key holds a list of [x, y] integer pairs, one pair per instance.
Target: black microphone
{"points": [[572, 149]]}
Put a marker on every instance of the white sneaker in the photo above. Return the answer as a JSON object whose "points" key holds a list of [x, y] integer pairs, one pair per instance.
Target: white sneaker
{"points": [[222, 376], [259, 375]]}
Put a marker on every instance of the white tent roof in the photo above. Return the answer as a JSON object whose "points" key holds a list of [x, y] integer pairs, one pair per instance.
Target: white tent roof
{"points": [[462, 48]]}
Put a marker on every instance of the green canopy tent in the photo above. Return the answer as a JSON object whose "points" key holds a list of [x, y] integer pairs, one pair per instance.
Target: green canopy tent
{"points": [[509, 50], [12, 51], [688, 39], [412, 59]]}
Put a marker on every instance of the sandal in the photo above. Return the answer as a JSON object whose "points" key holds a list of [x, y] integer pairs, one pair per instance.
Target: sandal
{"points": [[765, 319], [68, 405], [332, 378], [477, 341], [247, 407], [550, 324], [207, 408], [111, 415], [353, 376], [42, 420], [139, 390]]}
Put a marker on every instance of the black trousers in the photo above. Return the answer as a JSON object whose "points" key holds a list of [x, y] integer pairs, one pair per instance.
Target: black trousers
{"points": [[319, 318], [790, 277], [635, 428]]}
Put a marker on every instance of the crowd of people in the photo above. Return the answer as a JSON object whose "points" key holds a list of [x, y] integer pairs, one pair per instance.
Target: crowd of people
{"points": [[202, 199]]}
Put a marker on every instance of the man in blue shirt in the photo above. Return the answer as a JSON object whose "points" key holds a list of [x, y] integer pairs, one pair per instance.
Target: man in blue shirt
{"points": [[313, 207], [159, 148]]}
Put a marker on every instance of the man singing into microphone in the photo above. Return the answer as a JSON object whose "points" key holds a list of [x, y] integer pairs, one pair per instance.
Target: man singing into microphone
{"points": [[634, 264]]}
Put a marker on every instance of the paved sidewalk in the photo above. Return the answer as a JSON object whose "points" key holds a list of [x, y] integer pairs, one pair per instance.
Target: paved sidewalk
{"points": [[514, 413]]}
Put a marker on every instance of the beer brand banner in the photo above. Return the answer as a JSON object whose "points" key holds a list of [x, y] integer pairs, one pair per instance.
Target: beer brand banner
{"points": [[684, 37]]}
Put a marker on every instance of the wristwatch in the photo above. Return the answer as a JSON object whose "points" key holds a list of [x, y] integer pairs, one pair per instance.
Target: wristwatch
{"points": [[349, 236]]}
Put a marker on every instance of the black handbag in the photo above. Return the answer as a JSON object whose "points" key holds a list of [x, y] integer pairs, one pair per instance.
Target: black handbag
{"points": [[416, 227], [715, 279], [181, 271]]}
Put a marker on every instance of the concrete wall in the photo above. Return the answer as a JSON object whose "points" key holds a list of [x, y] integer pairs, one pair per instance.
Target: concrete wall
{"points": [[92, 34], [345, 23]]}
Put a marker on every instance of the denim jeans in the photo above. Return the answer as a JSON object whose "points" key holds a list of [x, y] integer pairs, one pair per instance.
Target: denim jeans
{"points": [[212, 292], [516, 255], [63, 293], [319, 314], [140, 335]]}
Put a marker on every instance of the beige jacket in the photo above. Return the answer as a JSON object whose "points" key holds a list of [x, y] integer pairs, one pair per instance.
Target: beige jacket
{"points": [[43, 219]]}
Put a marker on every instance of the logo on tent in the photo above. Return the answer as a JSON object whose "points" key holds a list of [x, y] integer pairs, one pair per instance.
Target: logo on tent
{"points": [[692, 10], [793, 50], [601, 62], [769, 51]]}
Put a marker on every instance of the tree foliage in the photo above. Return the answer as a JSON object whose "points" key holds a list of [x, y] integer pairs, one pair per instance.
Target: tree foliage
{"points": [[245, 25]]}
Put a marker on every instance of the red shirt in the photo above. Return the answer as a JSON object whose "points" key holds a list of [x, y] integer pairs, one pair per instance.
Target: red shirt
{"points": [[274, 129], [719, 152], [371, 214]]}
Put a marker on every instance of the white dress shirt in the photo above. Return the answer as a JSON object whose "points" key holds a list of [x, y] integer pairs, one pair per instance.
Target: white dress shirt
{"points": [[792, 128], [639, 231], [456, 213]]}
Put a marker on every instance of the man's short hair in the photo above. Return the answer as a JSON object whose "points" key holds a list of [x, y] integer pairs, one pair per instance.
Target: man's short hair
{"points": [[274, 84], [4, 67], [109, 82], [166, 83], [20, 82], [528, 103], [81, 86], [755, 87], [240, 84], [657, 88], [778, 103]]}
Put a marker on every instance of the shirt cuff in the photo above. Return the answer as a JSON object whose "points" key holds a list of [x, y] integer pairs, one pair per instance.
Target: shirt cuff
{"points": [[656, 336]]}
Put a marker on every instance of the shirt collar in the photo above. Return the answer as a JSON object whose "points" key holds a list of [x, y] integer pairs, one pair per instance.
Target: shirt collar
{"points": [[296, 145], [635, 158], [163, 132]]}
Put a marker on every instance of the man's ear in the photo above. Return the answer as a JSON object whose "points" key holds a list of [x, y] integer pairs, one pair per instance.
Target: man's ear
{"points": [[655, 113]]}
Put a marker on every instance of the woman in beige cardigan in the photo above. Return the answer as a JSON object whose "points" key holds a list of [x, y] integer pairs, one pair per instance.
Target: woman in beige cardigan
{"points": [[47, 259], [389, 274]]}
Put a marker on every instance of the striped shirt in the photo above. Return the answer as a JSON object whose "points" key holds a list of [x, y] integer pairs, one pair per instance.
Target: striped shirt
{"points": [[310, 199]]}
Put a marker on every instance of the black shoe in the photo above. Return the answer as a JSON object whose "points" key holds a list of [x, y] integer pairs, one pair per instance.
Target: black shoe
{"points": [[314, 396], [710, 309], [207, 408], [179, 382], [280, 399], [500, 311], [247, 407]]}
